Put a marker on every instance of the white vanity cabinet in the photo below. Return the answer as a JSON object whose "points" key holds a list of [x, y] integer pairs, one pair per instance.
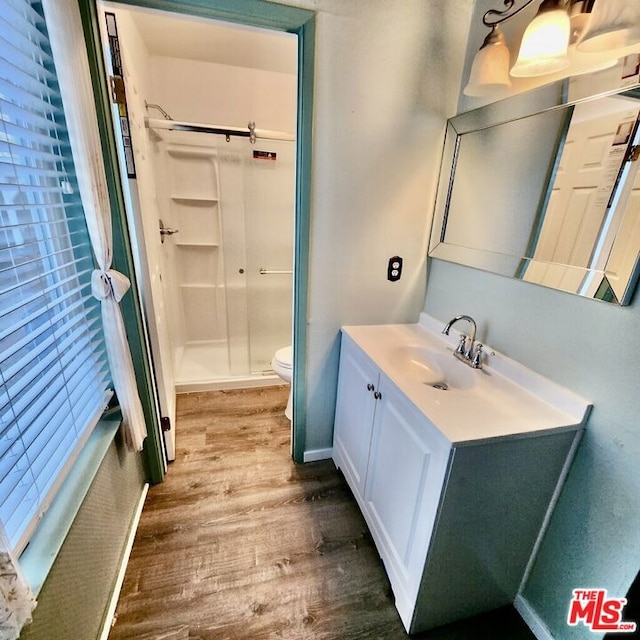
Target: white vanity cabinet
{"points": [[394, 461], [355, 410], [454, 523], [407, 465]]}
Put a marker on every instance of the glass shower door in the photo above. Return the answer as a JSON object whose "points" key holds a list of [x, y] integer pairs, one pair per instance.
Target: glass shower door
{"points": [[269, 228]]}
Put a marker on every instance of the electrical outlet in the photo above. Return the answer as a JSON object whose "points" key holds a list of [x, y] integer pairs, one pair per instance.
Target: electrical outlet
{"points": [[394, 270]]}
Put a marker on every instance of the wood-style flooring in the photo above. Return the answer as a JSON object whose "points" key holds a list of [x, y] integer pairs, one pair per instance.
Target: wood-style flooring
{"points": [[240, 543]]}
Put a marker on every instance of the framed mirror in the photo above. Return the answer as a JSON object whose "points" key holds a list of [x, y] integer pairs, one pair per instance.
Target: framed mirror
{"points": [[545, 187]]}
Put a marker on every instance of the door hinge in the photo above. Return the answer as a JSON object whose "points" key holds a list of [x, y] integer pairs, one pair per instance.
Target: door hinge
{"points": [[165, 424], [634, 153], [118, 95]]}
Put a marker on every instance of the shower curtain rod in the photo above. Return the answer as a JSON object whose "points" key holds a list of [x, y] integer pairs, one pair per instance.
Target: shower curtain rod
{"points": [[250, 132]]}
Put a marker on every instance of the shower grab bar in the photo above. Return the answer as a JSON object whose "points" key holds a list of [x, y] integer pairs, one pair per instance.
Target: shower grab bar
{"points": [[268, 272]]}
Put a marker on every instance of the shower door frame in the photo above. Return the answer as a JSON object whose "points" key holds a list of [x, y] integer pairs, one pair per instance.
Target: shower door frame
{"points": [[257, 13]]}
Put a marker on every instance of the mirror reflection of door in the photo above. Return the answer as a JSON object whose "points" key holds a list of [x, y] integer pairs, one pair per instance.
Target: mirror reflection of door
{"points": [[576, 229], [625, 251]]}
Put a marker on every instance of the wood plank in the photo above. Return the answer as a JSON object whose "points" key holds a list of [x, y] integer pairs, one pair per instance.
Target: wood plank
{"points": [[241, 543]]}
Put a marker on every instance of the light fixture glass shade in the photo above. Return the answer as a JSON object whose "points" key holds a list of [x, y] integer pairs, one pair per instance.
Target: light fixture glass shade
{"points": [[579, 20], [613, 24], [581, 63], [543, 49], [490, 68]]}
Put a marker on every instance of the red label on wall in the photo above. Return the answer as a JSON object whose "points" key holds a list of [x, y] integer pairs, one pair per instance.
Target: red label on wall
{"points": [[264, 155]]}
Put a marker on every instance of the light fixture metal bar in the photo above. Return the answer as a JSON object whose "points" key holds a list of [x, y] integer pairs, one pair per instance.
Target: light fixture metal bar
{"points": [[500, 16]]}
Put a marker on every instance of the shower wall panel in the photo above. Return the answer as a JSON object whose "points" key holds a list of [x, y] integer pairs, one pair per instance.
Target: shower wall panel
{"points": [[191, 206], [233, 208]]}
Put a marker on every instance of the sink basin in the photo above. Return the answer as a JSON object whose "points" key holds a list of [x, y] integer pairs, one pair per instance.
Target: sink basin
{"points": [[503, 399], [439, 370]]}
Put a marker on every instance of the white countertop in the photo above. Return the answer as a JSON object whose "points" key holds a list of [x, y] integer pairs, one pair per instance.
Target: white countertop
{"points": [[506, 399]]}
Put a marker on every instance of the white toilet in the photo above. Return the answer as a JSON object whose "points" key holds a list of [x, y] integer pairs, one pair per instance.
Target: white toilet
{"points": [[282, 364]]}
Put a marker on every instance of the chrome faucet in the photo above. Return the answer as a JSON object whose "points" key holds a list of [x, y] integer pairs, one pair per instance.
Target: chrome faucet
{"points": [[467, 350]]}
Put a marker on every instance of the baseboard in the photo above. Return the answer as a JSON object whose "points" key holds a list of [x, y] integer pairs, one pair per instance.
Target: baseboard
{"points": [[532, 619], [113, 602], [317, 454]]}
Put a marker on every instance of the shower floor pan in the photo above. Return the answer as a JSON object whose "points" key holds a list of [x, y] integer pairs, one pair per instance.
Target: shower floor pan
{"points": [[206, 368]]}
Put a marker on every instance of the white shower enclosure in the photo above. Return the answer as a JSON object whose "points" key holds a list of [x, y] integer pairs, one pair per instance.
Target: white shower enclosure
{"points": [[227, 267], [216, 294]]}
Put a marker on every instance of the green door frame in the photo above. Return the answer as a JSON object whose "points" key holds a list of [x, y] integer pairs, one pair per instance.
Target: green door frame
{"points": [[258, 13]]}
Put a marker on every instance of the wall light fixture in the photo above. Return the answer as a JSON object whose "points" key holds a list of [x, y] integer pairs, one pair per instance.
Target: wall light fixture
{"points": [[566, 36]]}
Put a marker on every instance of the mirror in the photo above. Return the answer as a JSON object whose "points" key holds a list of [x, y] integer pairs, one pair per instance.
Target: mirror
{"points": [[546, 189]]}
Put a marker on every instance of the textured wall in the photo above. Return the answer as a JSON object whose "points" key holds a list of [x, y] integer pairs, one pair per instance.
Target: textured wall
{"points": [[386, 79], [593, 539], [585, 345], [72, 602]]}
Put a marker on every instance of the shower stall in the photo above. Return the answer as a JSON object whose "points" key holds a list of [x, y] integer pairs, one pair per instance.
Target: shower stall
{"points": [[226, 210]]}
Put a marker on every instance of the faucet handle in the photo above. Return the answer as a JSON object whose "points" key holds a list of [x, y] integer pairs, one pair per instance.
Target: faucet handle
{"points": [[476, 361], [462, 345]]}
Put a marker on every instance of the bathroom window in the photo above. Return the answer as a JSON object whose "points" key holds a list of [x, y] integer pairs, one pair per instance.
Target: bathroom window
{"points": [[54, 378]]}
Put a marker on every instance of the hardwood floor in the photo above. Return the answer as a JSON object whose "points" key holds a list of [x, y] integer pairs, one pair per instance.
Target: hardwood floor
{"points": [[240, 543]]}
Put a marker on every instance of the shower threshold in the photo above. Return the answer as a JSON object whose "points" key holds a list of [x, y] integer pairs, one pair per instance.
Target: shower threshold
{"points": [[204, 366], [232, 382]]}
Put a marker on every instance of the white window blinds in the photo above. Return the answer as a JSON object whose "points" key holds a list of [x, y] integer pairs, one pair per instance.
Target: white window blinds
{"points": [[54, 380]]}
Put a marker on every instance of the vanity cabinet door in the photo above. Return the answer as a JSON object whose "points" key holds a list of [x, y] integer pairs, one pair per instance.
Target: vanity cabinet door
{"points": [[408, 461], [355, 409]]}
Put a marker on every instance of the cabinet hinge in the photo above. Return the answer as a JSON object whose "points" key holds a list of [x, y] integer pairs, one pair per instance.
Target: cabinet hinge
{"points": [[165, 424]]}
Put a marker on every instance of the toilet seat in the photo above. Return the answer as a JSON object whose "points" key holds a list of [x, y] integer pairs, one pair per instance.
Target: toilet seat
{"points": [[282, 364], [284, 357]]}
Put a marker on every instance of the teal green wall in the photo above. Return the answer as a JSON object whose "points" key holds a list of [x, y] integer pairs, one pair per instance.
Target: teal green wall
{"points": [[74, 598], [591, 348]]}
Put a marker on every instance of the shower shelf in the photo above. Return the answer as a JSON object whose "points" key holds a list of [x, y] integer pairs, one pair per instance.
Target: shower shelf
{"points": [[195, 199], [200, 285], [196, 244]]}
